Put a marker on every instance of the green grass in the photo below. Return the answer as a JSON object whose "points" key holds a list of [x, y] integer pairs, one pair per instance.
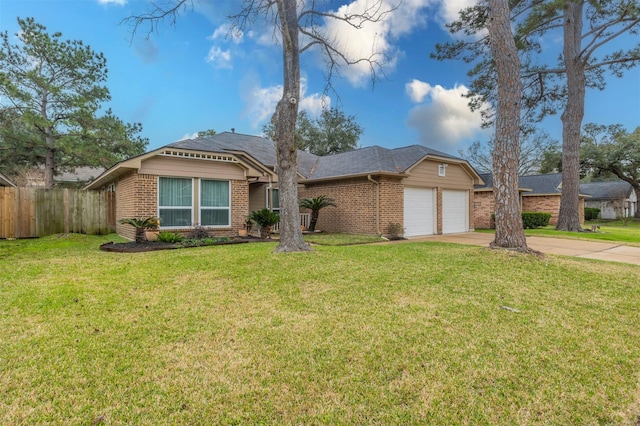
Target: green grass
{"points": [[366, 334], [326, 239], [610, 231]]}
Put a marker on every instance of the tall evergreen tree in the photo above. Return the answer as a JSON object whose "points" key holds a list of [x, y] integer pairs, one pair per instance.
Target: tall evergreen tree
{"points": [[54, 89]]}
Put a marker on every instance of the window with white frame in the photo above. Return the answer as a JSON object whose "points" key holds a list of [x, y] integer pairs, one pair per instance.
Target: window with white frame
{"points": [[442, 169], [215, 203], [175, 201], [273, 199]]}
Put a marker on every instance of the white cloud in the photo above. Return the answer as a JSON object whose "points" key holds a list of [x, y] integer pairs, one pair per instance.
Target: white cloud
{"points": [[188, 136], [118, 2], [449, 9], [417, 90], [261, 101], [446, 120], [219, 58], [226, 31], [374, 40]]}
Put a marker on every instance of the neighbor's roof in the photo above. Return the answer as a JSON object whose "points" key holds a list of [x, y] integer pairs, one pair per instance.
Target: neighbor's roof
{"points": [[545, 184], [610, 190], [542, 184], [80, 174], [4, 181]]}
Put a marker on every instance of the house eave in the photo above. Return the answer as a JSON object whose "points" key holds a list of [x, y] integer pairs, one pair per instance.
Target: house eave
{"points": [[477, 180], [355, 175]]}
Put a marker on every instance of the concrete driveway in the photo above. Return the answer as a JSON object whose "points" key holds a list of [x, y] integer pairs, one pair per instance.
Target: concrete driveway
{"points": [[580, 248]]}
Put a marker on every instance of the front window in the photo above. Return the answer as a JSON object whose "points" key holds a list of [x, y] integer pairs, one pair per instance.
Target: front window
{"points": [[273, 199], [215, 206], [442, 170], [175, 201]]}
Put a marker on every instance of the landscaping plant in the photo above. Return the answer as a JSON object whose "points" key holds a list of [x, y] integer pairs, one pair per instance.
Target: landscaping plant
{"points": [[265, 219], [315, 205], [141, 225]]}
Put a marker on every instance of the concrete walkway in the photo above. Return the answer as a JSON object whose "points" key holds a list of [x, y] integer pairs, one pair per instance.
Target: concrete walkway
{"points": [[611, 252]]}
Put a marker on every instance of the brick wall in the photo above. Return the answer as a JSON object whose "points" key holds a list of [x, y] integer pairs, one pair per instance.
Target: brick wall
{"points": [[483, 207], [137, 196], [357, 207], [543, 203]]}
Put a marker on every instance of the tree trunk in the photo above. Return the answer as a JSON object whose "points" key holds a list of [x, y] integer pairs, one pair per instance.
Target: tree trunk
{"points": [[508, 216], [49, 165], [636, 214], [284, 123], [569, 215], [314, 220]]}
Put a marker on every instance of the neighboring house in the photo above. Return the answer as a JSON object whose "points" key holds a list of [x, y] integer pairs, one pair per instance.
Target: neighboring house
{"points": [[34, 177], [216, 181], [613, 198], [538, 193], [4, 181]]}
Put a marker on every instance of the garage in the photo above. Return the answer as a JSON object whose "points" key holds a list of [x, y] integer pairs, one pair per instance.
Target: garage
{"points": [[455, 211], [418, 211]]}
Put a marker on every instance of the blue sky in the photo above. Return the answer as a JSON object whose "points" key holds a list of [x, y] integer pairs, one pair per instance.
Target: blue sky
{"points": [[196, 75]]}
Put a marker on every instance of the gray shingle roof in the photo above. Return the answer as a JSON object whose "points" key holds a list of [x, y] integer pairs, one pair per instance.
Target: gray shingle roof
{"points": [[541, 184], [359, 161], [538, 184], [4, 181], [611, 190], [371, 159]]}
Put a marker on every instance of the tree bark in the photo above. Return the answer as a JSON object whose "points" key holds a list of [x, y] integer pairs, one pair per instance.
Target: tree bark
{"points": [[569, 215], [506, 150], [284, 124], [49, 160]]}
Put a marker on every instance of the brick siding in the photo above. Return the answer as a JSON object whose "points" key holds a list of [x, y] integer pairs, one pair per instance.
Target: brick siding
{"points": [[483, 206], [137, 196], [356, 201]]}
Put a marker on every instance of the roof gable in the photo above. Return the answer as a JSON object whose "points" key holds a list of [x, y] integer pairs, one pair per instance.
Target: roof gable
{"points": [[4, 181]]}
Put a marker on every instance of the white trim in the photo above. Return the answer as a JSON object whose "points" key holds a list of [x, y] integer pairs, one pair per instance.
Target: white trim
{"points": [[176, 208], [228, 208], [198, 155]]}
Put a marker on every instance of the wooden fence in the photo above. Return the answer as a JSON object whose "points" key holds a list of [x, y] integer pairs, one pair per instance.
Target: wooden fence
{"points": [[37, 212]]}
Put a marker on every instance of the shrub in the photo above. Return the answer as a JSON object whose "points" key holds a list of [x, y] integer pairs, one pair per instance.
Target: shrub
{"points": [[265, 219], [591, 213], [169, 237], [199, 233], [396, 230], [532, 220]]}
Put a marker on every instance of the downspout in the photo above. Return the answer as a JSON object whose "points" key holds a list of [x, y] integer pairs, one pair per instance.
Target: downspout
{"points": [[377, 203]]}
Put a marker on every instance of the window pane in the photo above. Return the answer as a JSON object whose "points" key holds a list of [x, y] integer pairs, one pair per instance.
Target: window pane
{"points": [[175, 217], [276, 199], [214, 193], [214, 217], [175, 192]]}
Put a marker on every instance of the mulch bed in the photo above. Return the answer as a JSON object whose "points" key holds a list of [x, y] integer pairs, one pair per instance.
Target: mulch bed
{"points": [[133, 247]]}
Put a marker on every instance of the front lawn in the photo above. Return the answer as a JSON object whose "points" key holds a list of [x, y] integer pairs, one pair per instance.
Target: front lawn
{"points": [[421, 333], [609, 231]]}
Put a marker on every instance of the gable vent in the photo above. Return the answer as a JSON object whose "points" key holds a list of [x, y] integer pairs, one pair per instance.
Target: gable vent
{"points": [[199, 156]]}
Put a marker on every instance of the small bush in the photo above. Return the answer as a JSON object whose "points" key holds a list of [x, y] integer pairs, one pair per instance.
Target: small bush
{"points": [[199, 233], [591, 213], [532, 220], [169, 237]]}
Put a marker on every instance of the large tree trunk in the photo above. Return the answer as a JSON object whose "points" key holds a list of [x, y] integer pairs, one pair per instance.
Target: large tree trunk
{"points": [[569, 215], [509, 230], [284, 124], [49, 164]]}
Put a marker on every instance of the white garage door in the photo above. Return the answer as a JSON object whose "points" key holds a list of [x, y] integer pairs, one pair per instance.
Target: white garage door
{"points": [[418, 211], [455, 211]]}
